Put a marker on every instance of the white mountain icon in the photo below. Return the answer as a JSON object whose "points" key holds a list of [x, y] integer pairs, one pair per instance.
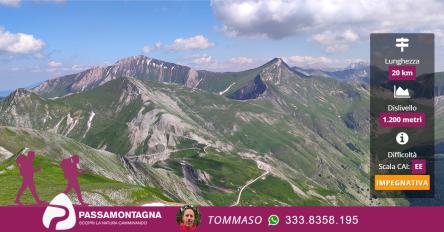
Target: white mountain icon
{"points": [[400, 92]]}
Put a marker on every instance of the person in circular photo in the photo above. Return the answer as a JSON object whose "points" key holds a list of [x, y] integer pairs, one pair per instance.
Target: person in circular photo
{"points": [[188, 217]]}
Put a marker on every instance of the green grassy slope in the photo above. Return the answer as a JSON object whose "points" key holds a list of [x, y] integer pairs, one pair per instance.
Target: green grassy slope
{"points": [[50, 181], [96, 182]]}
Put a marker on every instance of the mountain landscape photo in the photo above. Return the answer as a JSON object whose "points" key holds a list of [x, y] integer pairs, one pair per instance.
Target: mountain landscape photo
{"points": [[213, 113], [208, 134]]}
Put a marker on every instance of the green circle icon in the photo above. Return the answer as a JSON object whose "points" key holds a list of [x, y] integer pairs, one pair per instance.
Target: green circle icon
{"points": [[273, 220]]}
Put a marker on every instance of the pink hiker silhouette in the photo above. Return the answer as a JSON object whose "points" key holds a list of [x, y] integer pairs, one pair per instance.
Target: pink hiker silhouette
{"points": [[69, 166], [25, 164]]}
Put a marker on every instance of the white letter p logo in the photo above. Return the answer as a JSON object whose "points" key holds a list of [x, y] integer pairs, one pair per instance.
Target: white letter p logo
{"points": [[59, 214]]}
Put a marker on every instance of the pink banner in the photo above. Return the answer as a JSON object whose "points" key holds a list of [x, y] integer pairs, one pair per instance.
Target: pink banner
{"points": [[223, 219]]}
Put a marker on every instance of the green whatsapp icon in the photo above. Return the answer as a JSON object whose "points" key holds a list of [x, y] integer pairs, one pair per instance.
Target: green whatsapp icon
{"points": [[273, 220]]}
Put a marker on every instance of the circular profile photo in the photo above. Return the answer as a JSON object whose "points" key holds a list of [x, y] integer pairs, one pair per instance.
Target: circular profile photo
{"points": [[188, 217]]}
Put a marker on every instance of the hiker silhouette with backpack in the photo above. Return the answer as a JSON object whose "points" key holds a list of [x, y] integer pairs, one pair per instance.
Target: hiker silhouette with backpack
{"points": [[69, 166], [27, 170]]}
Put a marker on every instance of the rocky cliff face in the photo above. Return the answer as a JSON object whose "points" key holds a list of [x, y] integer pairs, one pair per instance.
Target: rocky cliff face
{"points": [[252, 89], [140, 67], [17, 107]]}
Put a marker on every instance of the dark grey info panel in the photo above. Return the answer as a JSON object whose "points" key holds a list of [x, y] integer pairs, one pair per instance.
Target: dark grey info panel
{"points": [[402, 115]]}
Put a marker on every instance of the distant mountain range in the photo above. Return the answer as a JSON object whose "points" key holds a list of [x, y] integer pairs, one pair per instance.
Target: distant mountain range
{"points": [[194, 136], [359, 71]]}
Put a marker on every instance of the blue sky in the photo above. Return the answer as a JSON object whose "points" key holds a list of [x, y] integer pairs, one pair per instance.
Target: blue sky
{"points": [[40, 40]]}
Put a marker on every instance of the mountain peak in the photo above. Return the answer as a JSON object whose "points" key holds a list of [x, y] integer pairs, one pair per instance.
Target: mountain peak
{"points": [[277, 61], [21, 92], [132, 59], [20, 95]]}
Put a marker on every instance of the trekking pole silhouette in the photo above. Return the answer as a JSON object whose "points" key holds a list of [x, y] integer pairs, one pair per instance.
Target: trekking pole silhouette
{"points": [[69, 166], [25, 164]]}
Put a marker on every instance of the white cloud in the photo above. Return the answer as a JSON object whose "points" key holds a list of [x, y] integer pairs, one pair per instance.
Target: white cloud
{"points": [[198, 61], [335, 41], [10, 2], [16, 3], [319, 61], [148, 49], [207, 62], [80, 67], [201, 59], [278, 19], [54, 64], [181, 44], [195, 42], [241, 60], [19, 43], [59, 67], [308, 60]]}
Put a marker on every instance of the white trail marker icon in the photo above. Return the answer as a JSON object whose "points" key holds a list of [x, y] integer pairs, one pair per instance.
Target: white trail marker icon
{"points": [[402, 43]]}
